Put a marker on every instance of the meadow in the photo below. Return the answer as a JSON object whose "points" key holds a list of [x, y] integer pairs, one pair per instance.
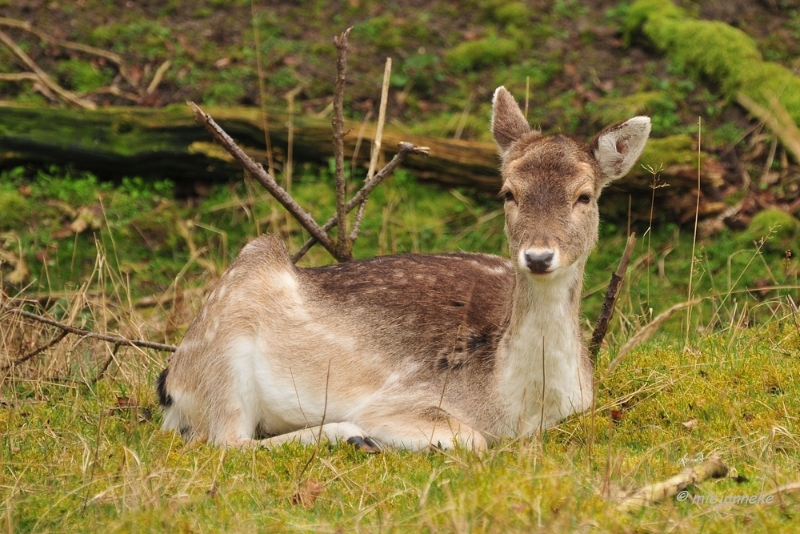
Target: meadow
{"points": [[82, 448]]}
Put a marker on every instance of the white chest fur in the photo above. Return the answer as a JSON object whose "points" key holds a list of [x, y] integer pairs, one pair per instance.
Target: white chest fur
{"points": [[540, 377]]}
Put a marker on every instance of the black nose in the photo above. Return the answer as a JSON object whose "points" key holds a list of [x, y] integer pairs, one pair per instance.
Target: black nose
{"points": [[539, 262]]}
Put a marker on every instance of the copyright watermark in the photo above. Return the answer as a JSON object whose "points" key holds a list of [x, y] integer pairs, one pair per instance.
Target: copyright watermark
{"points": [[714, 499]]}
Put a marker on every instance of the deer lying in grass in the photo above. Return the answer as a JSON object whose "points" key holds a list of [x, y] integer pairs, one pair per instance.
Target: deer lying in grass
{"points": [[411, 350]]}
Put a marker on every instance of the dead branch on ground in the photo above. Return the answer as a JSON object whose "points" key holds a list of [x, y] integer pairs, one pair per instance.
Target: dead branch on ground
{"points": [[661, 491]]}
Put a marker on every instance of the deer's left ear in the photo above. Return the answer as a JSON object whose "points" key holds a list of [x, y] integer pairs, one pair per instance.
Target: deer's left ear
{"points": [[618, 147]]}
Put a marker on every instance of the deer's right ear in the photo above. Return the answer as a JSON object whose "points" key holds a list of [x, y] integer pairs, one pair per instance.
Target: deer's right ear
{"points": [[508, 122], [618, 147]]}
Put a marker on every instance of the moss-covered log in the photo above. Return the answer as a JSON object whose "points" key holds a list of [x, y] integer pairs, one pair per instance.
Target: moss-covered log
{"points": [[166, 142], [722, 54]]}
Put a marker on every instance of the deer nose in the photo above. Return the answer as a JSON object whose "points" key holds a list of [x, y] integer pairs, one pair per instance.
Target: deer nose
{"points": [[539, 262]]}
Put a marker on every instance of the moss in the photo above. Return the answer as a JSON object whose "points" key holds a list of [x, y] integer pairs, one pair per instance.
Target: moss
{"points": [[717, 51], [781, 229], [14, 208], [510, 13], [474, 55], [615, 109], [672, 150]]}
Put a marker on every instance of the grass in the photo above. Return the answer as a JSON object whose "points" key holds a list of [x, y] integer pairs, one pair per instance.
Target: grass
{"points": [[85, 454]]}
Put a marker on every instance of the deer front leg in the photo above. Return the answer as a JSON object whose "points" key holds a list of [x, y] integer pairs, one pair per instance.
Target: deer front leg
{"points": [[333, 432], [419, 429]]}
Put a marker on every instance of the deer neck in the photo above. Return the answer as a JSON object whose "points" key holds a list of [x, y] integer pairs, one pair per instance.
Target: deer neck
{"points": [[541, 376]]}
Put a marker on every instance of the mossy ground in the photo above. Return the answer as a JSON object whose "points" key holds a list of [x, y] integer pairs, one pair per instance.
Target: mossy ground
{"points": [[81, 455]]}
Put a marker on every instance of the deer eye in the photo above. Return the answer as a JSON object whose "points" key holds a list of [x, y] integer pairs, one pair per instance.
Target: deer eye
{"points": [[507, 195], [584, 199]]}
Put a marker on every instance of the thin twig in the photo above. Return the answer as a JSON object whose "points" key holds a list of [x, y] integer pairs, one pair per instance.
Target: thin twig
{"points": [[19, 76], [344, 248], [36, 351], [43, 76], [94, 335], [376, 146], [258, 172], [405, 149], [610, 301]]}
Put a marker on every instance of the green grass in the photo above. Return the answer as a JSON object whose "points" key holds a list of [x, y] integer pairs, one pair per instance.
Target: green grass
{"points": [[82, 455]]}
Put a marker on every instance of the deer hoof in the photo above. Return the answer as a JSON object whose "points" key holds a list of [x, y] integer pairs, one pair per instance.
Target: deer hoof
{"points": [[364, 444]]}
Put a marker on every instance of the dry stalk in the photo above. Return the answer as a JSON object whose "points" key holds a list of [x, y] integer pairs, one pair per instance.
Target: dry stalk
{"points": [[261, 91], [376, 146], [610, 300], [661, 491], [258, 172], [344, 246], [694, 237]]}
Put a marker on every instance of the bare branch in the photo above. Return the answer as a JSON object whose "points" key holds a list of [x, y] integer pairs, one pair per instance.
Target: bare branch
{"points": [[258, 172], [43, 76], [610, 301], [344, 248], [363, 193], [94, 335]]}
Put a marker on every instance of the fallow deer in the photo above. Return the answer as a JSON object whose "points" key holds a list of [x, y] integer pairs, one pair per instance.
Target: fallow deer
{"points": [[411, 351]]}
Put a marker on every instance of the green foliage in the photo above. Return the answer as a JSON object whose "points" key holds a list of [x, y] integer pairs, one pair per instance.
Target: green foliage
{"points": [[383, 32], [422, 70], [146, 35], [506, 13], [83, 76]]}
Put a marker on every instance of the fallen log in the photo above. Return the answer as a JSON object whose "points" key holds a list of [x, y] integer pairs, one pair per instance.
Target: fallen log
{"points": [[166, 142]]}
